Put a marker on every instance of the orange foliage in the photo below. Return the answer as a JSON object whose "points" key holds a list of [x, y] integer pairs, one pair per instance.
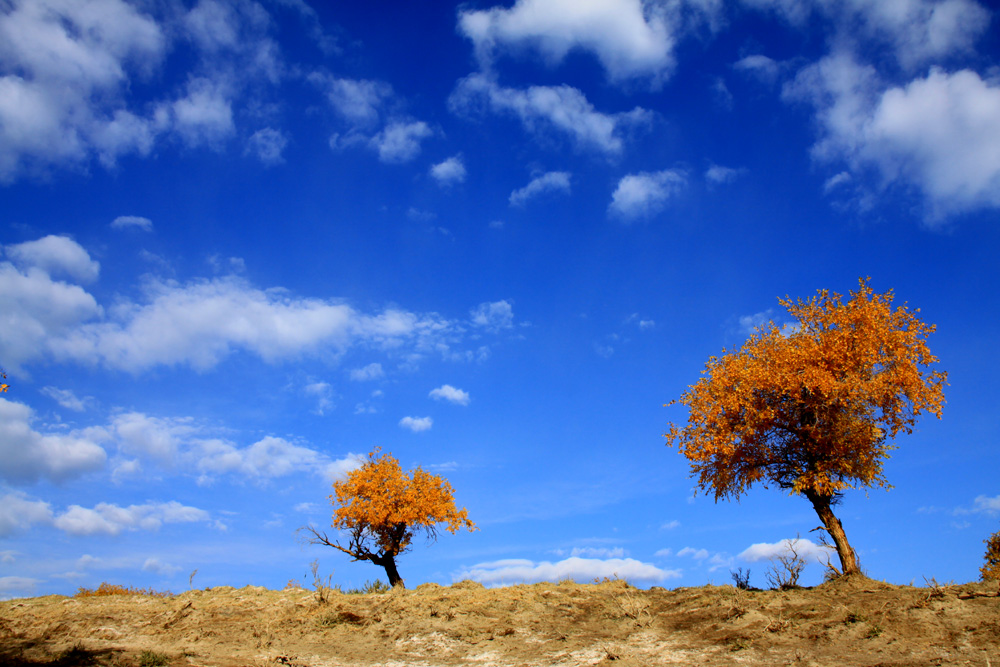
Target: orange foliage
{"points": [[812, 410], [991, 568], [381, 508], [3, 386], [116, 589]]}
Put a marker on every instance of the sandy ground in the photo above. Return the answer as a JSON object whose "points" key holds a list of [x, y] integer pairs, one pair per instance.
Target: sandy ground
{"points": [[844, 622]]}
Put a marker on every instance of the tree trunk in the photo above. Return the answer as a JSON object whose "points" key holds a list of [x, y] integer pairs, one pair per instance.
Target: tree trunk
{"points": [[389, 563], [822, 505]]}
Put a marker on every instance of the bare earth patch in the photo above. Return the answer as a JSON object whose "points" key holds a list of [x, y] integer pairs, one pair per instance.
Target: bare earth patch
{"points": [[846, 622]]}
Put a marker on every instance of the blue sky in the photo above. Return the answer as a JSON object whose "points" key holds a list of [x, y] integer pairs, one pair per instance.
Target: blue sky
{"points": [[244, 243]]}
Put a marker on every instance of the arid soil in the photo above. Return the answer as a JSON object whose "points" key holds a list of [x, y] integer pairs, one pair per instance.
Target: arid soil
{"points": [[845, 622]]}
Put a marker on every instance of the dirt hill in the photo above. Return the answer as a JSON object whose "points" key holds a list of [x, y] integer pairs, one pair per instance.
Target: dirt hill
{"points": [[844, 622]]}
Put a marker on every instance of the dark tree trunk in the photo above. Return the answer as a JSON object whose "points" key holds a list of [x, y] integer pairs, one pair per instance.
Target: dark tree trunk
{"points": [[388, 562], [823, 507]]}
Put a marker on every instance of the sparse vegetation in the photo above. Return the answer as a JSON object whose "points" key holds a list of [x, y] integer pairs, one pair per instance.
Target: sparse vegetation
{"points": [[786, 567], [991, 568], [115, 589], [152, 659], [544, 623], [376, 586], [741, 579]]}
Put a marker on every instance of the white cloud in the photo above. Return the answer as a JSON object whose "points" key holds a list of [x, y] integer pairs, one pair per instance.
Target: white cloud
{"points": [[598, 552], [399, 141], [55, 255], [664, 553], [63, 66], [759, 66], [372, 371], [542, 108], [358, 101], [18, 513], [987, 504], [451, 394], [449, 172], [630, 38], [110, 519], [670, 525], [27, 455], [697, 554], [155, 438], [416, 424], [939, 134], [717, 174], [553, 181], [156, 566], [267, 144], [132, 222], [323, 393], [204, 116], [916, 31], [265, 459], [202, 322], [644, 194], [66, 398], [17, 586], [515, 571], [337, 470], [493, 316], [805, 549]]}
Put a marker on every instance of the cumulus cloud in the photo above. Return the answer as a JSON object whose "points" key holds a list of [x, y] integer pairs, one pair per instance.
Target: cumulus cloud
{"points": [[267, 145], [646, 193], [399, 141], [132, 222], [358, 101], [110, 519], [157, 566], [372, 371], [201, 322], [56, 256], [544, 108], [27, 455], [515, 571], [451, 394], [553, 181], [416, 424], [806, 550], [18, 513], [449, 172], [493, 316], [760, 67], [630, 38], [56, 61], [939, 134]]}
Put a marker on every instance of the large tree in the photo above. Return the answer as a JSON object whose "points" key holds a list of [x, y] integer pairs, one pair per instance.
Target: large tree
{"points": [[379, 508], [812, 407]]}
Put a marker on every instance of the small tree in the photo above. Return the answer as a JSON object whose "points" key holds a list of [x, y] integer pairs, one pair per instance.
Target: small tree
{"points": [[991, 569], [814, 409], [380, 508]]}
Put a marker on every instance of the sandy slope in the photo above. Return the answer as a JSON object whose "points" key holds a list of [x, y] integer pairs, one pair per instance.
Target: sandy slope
{"points": [[840, 623]]}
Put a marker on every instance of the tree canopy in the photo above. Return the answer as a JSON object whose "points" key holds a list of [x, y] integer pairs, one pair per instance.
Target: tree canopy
{"points": [[380, 508], [812, 407]]}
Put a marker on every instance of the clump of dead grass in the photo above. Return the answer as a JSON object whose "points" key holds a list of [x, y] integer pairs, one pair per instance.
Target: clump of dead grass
{"points": [[116, 589]]}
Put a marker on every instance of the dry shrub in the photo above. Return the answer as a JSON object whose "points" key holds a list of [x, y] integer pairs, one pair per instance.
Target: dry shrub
{"points": [[115, 589]]}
